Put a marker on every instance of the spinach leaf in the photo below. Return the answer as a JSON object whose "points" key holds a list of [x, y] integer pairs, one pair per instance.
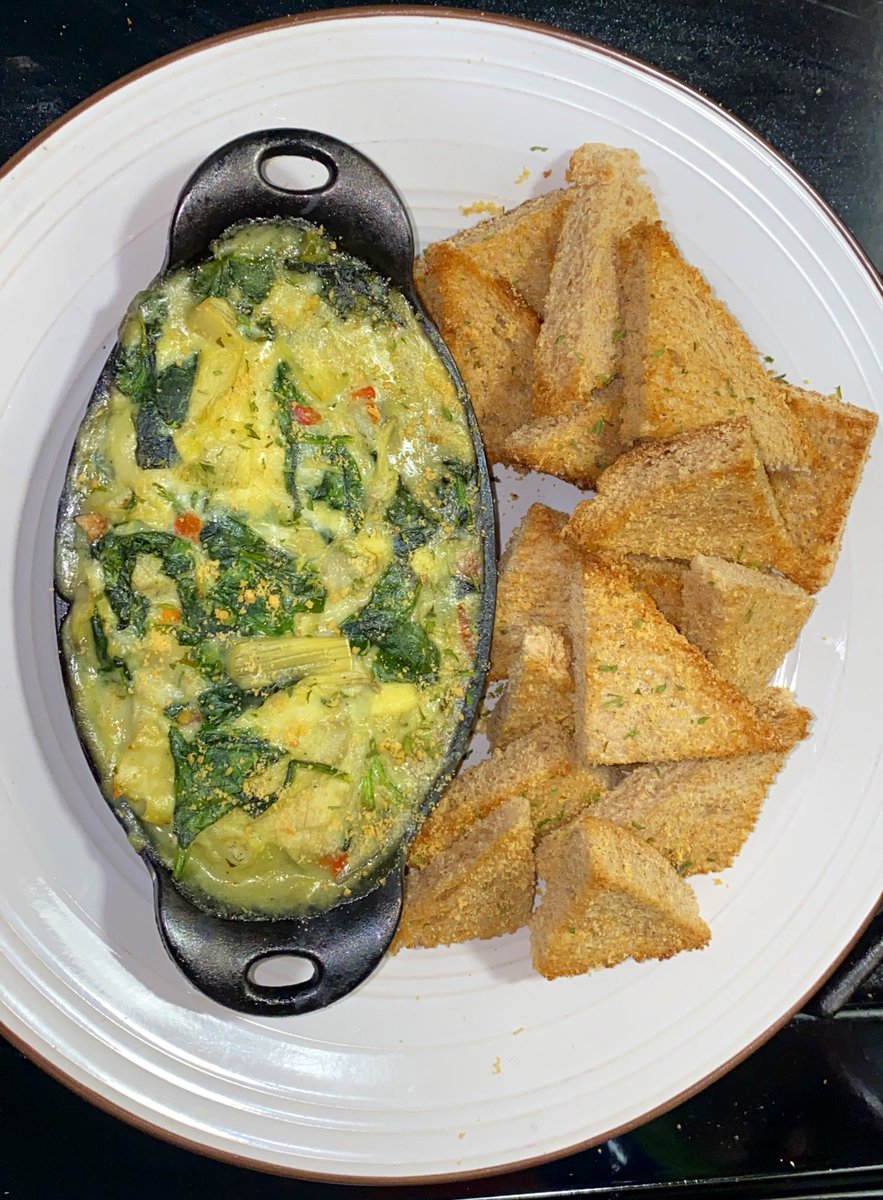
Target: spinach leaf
{"points": [[173, 387], [249, 278], [403, 648], [413, 524], [118, 553], [456, 494], [341, 484], [260, 588], [162, 410], [160, 398], [222, 702], [154, 444], [211, 773], [135, 364], [287, 393], [350, 287], [106, 664]]}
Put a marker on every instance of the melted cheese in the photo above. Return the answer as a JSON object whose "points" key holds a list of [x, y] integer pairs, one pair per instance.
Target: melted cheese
{"points": [[343, 762]]}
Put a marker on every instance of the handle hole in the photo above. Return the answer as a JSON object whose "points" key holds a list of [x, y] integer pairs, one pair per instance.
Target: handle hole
{"points": [[295, 173], [282, 971]]}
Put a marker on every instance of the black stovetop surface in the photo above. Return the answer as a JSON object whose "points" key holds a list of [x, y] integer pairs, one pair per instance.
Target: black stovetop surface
{"points": [[803, 1115]]}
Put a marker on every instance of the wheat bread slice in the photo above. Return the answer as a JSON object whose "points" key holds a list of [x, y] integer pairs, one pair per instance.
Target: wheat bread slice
{"points": [[608, 896], [578, 347], [699, 814], [578, 789], [528, 762], [540, 767], [491, 333], [539, 691], [744, 621], [480, 888], [533, 585], [687, 362], [643, 692], [815, 506], [518, 246], [661, 578], [576, 445], [700, 492]]}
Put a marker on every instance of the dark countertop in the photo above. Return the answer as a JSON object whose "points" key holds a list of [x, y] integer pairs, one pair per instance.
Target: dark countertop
{"points": [[808, 75]]}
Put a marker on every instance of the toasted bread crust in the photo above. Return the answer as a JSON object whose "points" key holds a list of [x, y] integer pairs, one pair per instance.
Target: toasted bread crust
{"points": [[577, 349], [643, 692], [744, 621], [490, 331], [480, 888], [539, 691], [526, 763], [815, 506], [533, 584], [576, 445], [518, 246], [687, 362], [700, 492], [699, 814], [608, 896]]}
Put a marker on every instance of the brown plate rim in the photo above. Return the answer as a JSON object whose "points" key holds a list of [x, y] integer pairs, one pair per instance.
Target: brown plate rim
{"points": [[435, 13]]}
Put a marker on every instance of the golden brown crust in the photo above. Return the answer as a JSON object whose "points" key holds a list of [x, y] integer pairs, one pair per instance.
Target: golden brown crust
{"points": [[643, 692], [518, 246], [608, 896], [576, 445], [490, 331], [533, 585], [700, 492], [687, 362], [815, 506], [527, 763], [480, 888]]}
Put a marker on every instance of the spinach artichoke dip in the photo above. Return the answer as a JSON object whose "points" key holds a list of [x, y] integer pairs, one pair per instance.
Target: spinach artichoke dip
{"points": [[269, 542]]}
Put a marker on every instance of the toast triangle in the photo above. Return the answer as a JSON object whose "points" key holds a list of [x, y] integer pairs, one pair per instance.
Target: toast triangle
{"points": [[643, 692]]}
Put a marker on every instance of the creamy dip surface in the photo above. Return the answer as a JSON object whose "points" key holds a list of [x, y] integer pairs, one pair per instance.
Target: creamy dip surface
{"points": [[270, 545]]}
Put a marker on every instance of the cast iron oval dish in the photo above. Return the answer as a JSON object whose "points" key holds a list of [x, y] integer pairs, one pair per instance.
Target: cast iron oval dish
{"points": [[275, 573]]}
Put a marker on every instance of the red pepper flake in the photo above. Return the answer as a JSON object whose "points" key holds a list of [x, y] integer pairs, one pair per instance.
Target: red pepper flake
{"points": [[188, 525], [466, 633], [369, 395], [304, 415], [334, 862]]}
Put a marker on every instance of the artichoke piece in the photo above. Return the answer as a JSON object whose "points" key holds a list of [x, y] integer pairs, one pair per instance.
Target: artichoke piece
{"points": [[255, 663]]}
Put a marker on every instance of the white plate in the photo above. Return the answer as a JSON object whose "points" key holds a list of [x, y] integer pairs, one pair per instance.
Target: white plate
{"points": [[451, 1061]]}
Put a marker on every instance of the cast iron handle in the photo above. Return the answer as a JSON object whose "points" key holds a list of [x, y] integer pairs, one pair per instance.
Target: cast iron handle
{"points": [[357, 203], [344, 945]]}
